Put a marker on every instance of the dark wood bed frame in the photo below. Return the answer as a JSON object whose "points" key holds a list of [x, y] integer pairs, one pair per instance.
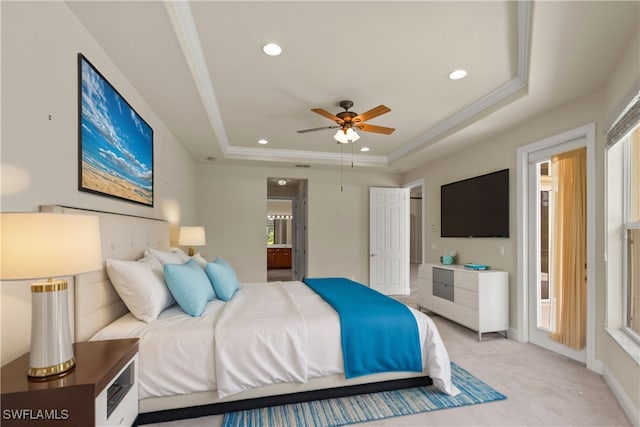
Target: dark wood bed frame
{"points": [[262, 402]]}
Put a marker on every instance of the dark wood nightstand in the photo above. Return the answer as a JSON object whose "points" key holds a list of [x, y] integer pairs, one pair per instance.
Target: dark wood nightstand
{"points": [[101, 390]]}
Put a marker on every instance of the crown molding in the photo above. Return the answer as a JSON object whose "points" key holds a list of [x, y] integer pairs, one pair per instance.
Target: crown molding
{"points": [[319, 157], [184, 26], [493, 98]]}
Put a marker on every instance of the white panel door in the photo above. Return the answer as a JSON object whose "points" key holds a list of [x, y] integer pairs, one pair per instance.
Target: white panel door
{"points": [[389, 240]]}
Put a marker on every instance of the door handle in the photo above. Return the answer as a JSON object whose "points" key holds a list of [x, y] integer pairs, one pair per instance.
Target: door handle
{"points": [[372, 255]]}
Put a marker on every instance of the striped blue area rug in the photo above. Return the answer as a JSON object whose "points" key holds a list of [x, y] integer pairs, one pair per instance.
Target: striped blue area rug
{"points": [[367, 407]]}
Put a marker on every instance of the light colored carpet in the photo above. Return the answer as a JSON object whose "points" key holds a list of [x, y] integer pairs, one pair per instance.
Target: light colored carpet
{"points": [[543, 388]]}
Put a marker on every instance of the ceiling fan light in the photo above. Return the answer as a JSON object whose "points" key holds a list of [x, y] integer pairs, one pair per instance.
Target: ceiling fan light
{"points": [[352, 135], [341, 137], [345, 137]]}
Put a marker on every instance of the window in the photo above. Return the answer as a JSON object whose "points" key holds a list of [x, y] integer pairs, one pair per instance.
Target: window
{"points": [[623, 229], [632, 232]]}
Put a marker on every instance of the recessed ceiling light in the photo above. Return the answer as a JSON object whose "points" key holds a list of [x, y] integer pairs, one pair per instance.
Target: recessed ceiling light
{"points": [[365, 149], [282, 182], [272, 49], [263, 141], [457, 74]]}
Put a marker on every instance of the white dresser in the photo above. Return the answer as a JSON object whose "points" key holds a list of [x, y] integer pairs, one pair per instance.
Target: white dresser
{"points": [[478, 300]]}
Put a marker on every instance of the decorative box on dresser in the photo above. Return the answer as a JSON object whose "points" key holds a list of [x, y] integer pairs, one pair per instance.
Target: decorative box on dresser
{"points": [[101, 390], [477, 299]]}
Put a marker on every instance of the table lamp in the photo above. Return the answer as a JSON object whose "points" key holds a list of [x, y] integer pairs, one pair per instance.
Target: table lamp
{"points": [[192, 236], [44, 246]]}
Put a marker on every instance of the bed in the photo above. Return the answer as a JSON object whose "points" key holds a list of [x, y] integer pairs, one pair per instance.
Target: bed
{"points": [[189, 366]]}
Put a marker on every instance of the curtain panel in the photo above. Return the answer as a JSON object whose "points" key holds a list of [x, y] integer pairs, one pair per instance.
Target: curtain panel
{"points": [[569, 248]]}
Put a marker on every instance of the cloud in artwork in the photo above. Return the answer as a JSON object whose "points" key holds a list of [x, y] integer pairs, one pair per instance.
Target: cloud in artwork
{"points": [[124, 166], [95, 111]]}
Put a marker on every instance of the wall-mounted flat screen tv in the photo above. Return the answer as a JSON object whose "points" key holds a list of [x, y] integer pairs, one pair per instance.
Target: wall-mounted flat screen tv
{"points": [[476, 207]]}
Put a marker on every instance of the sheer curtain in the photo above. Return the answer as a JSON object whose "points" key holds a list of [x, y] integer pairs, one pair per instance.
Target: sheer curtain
{"points": [[569, 248]]}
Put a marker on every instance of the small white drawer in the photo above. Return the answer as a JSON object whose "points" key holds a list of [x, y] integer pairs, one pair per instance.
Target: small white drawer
{"points": [[467, 317], [465, 297], [466, 280]]}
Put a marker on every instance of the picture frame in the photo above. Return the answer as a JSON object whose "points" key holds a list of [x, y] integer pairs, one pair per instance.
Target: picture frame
{"points": [[115, 144]]}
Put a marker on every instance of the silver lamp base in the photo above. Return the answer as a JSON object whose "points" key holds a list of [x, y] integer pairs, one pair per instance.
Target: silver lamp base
{"points": [[51, 347]]}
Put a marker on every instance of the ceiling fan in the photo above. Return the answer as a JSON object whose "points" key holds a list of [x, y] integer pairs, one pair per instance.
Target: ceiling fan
{"points": [[348, 120]]}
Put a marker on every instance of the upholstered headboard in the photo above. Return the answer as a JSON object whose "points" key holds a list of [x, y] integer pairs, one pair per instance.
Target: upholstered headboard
{"points": [[96, 303]]}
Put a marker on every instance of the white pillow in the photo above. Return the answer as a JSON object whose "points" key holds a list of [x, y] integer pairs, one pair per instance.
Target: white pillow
{"points": [[172, 256], [141, 286]]}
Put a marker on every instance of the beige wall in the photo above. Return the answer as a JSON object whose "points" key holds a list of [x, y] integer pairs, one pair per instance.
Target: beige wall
{"points": [[232, 205], [624, 80], [39, 157], [500, 152]]}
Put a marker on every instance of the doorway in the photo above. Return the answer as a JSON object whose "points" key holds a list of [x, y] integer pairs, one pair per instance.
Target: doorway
{"points": [[538, 216], [548, 220], [416, 229], [286, 229]]}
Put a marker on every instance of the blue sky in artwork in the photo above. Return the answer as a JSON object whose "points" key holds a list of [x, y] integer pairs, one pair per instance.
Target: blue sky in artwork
{"points": [[116, 140]]}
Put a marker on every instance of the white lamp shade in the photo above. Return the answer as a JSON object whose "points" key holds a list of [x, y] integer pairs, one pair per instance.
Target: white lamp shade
{"points": [[346, 137], [192, 236], [352, 135], [46, 245]]}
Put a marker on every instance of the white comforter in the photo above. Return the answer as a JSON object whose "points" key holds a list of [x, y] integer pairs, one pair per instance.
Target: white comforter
{"points": [[268, 333]]}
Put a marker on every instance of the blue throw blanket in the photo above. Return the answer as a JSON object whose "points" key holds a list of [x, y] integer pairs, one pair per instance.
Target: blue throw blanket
{"points": [[379, 334]]}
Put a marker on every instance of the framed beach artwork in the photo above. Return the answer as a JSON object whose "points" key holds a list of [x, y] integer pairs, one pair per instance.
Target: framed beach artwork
{"points": [[115, 143]]}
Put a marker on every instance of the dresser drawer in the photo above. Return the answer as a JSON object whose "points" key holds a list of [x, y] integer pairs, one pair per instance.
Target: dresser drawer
{"points": [[443, 290], [443, 276], [467, 317], [466, 280], [466, 298]]}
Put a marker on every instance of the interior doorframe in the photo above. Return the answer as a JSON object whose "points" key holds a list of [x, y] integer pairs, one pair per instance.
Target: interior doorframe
{"points": [[419, 183], [521, 332]]}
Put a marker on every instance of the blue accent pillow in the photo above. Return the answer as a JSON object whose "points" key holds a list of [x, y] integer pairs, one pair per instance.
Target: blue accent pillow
{"points": [[189, 286], [223, 279]]}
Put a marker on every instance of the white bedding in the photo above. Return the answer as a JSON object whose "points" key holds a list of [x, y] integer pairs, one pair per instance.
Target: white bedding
{"points": [[180, 354]]}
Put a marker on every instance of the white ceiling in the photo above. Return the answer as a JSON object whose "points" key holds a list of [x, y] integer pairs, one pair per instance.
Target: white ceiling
{"points": [[199, 66]]}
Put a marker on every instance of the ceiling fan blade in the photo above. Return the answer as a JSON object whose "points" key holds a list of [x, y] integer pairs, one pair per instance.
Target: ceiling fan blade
{"points": [[327, 114], [373, 128], [374, 112], [315, 129]]}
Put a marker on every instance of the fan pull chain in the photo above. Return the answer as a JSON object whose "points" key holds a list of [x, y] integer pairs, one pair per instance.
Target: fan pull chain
{"points": [[341, 166], [353, 147]]}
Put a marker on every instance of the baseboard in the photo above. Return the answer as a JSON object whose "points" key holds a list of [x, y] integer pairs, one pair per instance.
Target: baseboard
{"points": [[514, 334], [628, 407], [596, 366]]}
